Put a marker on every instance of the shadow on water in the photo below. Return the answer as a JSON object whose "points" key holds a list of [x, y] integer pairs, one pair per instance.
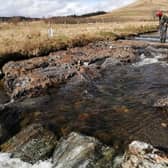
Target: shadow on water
{"points": [[3, 97]]}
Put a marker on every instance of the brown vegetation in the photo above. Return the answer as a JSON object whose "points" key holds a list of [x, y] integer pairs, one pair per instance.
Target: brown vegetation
{"points": [[141, 10], [31, 38]]}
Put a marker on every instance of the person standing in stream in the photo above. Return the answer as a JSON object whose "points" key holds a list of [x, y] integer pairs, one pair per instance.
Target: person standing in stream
{"points": [[163, 24]]}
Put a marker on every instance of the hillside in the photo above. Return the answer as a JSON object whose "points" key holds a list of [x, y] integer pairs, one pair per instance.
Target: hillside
{"points": [[141, 10]]}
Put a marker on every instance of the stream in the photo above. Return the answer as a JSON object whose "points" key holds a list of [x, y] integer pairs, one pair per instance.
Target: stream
{"points": [[116, 108]]}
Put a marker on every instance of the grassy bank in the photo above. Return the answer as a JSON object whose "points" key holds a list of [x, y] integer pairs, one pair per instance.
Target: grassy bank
{"points": [[29, 39]]}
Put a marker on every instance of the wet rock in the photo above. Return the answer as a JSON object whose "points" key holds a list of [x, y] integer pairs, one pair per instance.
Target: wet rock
{"points": [[143, 155], [162, 102], [10, 118], [124, 54], [82, 151], [32, 77], [1, 74], [32, 144], [110, 62]]}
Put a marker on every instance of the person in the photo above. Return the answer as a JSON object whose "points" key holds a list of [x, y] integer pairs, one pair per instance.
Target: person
{"points": [[163, 25]]}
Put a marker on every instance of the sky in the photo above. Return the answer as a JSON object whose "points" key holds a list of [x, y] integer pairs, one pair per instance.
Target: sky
{"points": [[48, 8]]}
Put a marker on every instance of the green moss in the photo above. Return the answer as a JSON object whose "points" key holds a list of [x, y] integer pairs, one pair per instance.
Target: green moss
{"points": [[107, 158]]}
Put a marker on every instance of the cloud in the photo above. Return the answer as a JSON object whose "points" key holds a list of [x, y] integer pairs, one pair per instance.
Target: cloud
{"points": [[40, 8]]}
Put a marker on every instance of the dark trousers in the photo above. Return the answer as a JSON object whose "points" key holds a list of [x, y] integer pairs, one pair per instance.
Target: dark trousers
{"points": [[163, 33]]}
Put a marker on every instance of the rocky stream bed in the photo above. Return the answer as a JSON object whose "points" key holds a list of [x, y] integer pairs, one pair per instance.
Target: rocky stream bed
{"points": [[103, 105]]}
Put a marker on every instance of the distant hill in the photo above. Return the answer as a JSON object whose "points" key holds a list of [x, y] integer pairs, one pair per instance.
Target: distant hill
{"points": [[74, 19], [139, 11], [17, 18], [57, 19]]}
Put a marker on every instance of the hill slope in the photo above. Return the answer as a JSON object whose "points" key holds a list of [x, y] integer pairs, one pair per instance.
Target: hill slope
{"points": [[141, 10]]}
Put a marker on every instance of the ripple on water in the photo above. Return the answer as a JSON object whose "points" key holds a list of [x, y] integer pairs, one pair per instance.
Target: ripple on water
{"points": [[147, 61]]}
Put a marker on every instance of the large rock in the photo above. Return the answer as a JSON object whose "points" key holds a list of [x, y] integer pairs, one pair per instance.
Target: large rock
{"points": [[82, 151], [32, 144], [143, 155], [32, 77], [10, 118]]}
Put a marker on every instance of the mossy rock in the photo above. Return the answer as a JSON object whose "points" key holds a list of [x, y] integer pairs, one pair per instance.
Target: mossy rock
{"points": [[32, 144]]}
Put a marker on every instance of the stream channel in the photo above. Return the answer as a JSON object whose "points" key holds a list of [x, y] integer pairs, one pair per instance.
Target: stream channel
{"points": [[117, 108]]}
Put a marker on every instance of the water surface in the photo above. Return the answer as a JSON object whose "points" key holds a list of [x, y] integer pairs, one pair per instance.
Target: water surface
{"points": [[116, 108]]}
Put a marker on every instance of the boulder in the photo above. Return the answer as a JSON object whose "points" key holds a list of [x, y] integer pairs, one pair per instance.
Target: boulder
{"points": [[32, 144], [143, 155], [32, 77], [10, 117], [82, 151]]}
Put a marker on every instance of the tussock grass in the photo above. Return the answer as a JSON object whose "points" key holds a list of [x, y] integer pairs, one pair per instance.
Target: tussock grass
{"points": [[29, 39]]}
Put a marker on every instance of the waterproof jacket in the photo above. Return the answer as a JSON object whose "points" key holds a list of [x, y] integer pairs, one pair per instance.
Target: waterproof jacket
{"points": [[163, 20]]}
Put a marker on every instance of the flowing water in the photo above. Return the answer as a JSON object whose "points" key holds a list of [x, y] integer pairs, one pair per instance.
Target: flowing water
{"points": [[116, 108], [7, 162], [152, 37]]}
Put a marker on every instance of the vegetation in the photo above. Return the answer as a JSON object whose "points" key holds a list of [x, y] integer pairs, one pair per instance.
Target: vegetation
{"points": [[141, 10], [31, 38], [23, 39]]}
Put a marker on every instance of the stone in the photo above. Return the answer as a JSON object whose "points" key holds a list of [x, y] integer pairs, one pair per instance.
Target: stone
{"points": [[33, 77], [82, 151], [10, 117], [110, 62], [162, 102], [143, 155], [1, 74], [32, 144]]}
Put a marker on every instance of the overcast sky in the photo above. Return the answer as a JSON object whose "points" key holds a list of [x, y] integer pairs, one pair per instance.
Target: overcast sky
{"points": [[47, 8]]}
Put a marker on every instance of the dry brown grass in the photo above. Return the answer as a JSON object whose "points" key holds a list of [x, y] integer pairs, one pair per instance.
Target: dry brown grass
{"points": [[141, 10], [31, 39]]}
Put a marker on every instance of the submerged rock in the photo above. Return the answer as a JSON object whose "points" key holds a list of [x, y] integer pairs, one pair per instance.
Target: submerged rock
{"points": [[82, 151], [32, 144], [143, 155], [163, 102]]}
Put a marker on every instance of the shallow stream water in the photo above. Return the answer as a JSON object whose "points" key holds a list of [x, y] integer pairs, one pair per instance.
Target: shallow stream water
{"points": [[116, 108]]}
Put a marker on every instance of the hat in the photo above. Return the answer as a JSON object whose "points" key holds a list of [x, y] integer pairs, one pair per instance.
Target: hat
{"points": [[159, 13]]}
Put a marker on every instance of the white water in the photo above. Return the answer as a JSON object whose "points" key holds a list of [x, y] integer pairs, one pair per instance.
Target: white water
{"points": [[7, 162], [146, 61]]}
